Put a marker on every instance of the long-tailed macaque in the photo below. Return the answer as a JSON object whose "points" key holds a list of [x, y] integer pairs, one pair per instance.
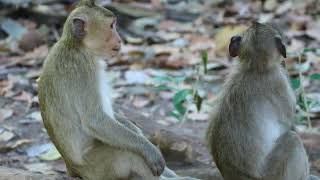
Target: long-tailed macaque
{"points": [[76, 106], [250, 135]]}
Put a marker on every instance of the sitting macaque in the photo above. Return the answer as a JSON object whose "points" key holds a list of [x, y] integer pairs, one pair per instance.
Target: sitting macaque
{"points": [[76, 105], [250, 135]]}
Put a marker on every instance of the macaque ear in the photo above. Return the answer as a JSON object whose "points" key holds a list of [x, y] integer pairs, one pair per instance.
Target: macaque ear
{"points": [[78, 27], [234, 46], [281, 47]]}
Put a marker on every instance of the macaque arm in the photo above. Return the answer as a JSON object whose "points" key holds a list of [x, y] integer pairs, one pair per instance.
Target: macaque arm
{"points": [[100, 126], [112, 132], [287, 156], [126, 122]]}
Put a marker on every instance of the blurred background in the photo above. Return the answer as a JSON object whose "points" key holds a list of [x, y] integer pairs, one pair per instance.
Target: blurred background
{"points": [[172, 64]]}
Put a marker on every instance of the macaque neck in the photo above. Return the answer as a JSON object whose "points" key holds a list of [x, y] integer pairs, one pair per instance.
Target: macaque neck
{"points": [[104, 88], [258, 65]]}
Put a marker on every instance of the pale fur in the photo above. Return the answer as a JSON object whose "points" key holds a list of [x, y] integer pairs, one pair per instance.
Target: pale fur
{"points": [[105, 90]]}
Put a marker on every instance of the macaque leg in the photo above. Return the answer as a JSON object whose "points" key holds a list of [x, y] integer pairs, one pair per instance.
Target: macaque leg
{"points": [[71, 172], [120, 165], [167, 173], [288, 160]]}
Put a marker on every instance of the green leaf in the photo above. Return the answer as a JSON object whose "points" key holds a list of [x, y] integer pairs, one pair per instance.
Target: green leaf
{"points": [[181, 95], [167, 79], [305, 50], [315, 76], [162, 79], [178, 80], [179, 98], [180, 108], [163, 87], [204, 57], [176, 115], [198, 101], [295, 83]]}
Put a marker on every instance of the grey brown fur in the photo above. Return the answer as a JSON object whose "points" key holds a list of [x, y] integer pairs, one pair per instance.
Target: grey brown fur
{"points": [[250, 135], [95, 144]]}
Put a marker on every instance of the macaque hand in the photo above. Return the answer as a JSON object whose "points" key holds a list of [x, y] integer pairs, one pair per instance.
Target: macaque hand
{"points": [[155, 161]]}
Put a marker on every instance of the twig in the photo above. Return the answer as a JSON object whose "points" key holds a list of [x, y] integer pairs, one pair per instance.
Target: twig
{"points": [[303, 94]]}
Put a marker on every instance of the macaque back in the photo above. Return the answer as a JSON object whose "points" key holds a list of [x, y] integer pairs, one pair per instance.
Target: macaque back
{"points": [[250, 134]]}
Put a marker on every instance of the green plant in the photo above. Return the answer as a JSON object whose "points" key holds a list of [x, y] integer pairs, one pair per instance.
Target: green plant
{"points": [[304, 103], [184, 97]]}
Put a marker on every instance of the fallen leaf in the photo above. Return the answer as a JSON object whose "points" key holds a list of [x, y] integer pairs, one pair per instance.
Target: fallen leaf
{"points": [[31, 40], [44, 168], [36, 150], [51, 155], [6, 147], [23, 96], [179, 146], [5, 86], [137, 77], [13, 28], [5, 114], [36, 116], [270, 5], [195, 116], [60, 166], [19, 143], [284, 7], [6, 136], [140, 102], [314, 31]]}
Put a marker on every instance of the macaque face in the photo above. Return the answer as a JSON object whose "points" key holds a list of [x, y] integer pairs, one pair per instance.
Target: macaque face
{"points": [[97, 31], [102, 38]]}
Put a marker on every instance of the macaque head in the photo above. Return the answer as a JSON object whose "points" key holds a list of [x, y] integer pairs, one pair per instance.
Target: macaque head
{"points": [[94, 27], [259, 42]]}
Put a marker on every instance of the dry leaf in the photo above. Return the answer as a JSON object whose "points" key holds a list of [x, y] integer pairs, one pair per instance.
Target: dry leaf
{"points": [[51, 155], [36, 116], [140, 102], [5, 114], [23, 96], [5, 86], [39, 167], [314, 31], [6, 136]]}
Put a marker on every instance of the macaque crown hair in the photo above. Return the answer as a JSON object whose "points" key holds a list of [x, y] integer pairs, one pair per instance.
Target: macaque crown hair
{"points": [[89, 3], [87, 15], [260, 45]]}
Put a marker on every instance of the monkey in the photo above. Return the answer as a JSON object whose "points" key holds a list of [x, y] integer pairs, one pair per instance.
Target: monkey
{"points": [[250, 132], [76, 104]]}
